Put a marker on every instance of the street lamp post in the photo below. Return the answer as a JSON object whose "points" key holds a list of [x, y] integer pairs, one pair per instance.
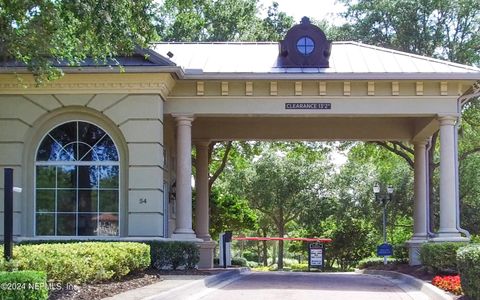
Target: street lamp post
{"points": [[383, 198]]}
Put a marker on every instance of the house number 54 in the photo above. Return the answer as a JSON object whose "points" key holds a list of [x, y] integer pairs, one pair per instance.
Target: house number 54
{"points": [[142, 200]]}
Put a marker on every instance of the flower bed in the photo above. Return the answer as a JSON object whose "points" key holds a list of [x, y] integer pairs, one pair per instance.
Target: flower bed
{"points": [[448, 283]]}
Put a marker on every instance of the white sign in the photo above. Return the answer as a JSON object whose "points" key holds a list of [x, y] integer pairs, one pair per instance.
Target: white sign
{"points": [[316, 256]]}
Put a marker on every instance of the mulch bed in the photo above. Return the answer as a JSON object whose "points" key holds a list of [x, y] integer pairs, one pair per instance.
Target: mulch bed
{"points": [[110, 288]]}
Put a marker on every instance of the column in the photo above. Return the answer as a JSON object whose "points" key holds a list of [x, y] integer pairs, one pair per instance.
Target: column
{"points": [[183, 228], [202, 196], [420, 192], [420, 213], [202, 213], [448, 203]]}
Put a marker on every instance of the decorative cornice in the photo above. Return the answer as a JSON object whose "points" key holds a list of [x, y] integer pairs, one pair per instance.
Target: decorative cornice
{"points": [[93, 83]]}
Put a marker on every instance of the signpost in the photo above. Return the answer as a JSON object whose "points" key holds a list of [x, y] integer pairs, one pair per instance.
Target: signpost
{"points": [[316, 256]]}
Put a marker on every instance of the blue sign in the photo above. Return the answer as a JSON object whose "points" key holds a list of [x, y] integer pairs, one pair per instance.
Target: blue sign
{"points": [[385, 250]]}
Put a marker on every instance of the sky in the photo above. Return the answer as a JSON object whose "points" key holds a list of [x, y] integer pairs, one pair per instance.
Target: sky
{"points": [[316, 9]]}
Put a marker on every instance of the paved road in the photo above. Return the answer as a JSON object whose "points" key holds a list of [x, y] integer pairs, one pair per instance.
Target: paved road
{"points": [[297, 286]]}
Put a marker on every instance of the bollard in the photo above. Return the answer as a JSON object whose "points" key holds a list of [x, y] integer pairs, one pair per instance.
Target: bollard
{"points": [[8, 214]]}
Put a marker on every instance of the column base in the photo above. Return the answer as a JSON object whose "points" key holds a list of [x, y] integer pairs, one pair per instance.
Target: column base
{"points": [[185, 236], [206, 254], [205, 237], [414, 246], [449, 237]]}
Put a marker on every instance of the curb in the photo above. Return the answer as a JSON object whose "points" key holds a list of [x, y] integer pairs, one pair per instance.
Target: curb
{"points": [[429, 290], [191, 289], [213, 280]]}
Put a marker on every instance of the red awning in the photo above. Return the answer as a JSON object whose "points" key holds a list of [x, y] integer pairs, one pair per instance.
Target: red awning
{"points": [[255, 238]]}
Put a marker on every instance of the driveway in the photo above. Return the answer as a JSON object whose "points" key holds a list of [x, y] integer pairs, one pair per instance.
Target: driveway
{"points": [[297, 286]]}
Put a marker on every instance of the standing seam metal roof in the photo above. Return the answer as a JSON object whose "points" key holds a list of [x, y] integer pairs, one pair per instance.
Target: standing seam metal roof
{"points": [[346, 58]]}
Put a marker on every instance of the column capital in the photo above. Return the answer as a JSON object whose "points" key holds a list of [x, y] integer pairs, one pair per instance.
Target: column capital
{"points": [[183, 117], [447, 119], [420, 143], [201, 143]]}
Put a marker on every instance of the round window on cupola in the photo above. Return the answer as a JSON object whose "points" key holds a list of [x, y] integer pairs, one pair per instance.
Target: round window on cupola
{"points": [[305, 45]]}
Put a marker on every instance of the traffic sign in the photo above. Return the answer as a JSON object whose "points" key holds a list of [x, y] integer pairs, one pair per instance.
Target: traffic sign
{"points": [[316, 255], [385, 250]]}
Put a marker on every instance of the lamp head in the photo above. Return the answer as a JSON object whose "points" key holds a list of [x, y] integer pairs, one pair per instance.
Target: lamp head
{"points": [[390, 189], [376, 188]]}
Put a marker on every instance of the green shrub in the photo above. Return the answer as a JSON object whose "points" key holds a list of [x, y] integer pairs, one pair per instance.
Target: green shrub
{"points": [[376, 261], [77, 263], [24, 285], [468, 262], [475, 239], [172, 255], [400, 253], [287, 262], [299, 267], [252, 264], [239, 261], [273, 267], [250, 256], [440, 257]]}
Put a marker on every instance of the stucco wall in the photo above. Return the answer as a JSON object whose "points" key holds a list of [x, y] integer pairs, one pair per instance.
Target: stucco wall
{"points": [[134, 121]]}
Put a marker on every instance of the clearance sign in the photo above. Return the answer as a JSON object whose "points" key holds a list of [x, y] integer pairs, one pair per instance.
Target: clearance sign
{"points": [[308, 105]]}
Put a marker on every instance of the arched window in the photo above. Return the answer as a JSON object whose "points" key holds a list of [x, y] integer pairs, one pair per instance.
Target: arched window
{"points": [[77, 182]]}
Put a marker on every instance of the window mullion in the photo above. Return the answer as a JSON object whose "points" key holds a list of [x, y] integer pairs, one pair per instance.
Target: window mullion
{"points": [[76, 163]]}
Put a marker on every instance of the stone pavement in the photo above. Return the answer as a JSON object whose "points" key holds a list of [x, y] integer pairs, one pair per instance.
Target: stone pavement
{"points": [[243, 284]]}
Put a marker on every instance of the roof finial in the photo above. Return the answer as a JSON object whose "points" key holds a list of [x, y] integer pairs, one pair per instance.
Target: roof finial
{"points": [[305, 20]]}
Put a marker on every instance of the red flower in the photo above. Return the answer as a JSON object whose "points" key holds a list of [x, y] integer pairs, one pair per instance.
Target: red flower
{"points": [[448, 283]]}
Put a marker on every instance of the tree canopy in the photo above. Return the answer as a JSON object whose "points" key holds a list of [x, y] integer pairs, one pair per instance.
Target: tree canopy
{"points": [[220, 20], [44, 33], [436, 28]]}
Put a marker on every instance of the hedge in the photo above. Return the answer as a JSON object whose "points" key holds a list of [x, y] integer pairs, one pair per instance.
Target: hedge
{"points": [[82, 262], [376, 261], [160, 252], [468, 262], [400, 253], [440, 257], [24, 285], [173, 255], [239, 261]]}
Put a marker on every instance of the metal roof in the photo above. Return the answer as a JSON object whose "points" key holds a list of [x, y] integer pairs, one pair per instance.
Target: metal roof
{"points": [[348, 60], [139, 58]]}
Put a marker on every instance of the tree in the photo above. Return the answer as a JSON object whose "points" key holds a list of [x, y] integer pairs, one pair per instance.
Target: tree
{"points": [[44, 33], [437, 28], [230, 212], [281, 184], [220, 20], [275, 25]]}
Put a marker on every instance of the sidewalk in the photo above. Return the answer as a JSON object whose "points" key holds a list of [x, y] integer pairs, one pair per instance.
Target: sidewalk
{"points": [[179, 286]]}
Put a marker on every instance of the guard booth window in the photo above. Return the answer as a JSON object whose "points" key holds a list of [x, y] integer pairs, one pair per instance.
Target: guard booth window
{"points": [[77, 182]]}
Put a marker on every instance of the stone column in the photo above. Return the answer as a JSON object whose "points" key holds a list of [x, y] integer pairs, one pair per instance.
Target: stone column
{"points": [[202, 212], [183, 228], [420, 192], [420, 214], [448, 203], [202, 197]]}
